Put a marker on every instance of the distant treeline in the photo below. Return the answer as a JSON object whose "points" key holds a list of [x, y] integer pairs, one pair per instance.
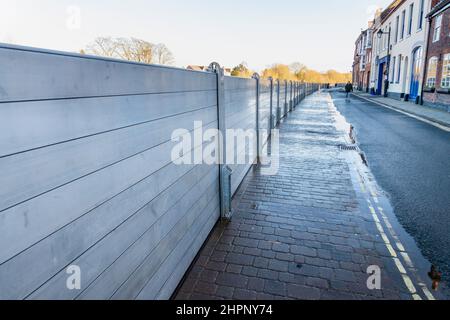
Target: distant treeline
{"points": [[294, 71]]}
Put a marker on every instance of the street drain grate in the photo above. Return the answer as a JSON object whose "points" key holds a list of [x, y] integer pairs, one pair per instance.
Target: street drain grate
{"points": [[348, 147], [325, 133]]}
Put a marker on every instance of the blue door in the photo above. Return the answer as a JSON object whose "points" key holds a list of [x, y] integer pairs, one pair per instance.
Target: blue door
{"points": [[416, 74], [380, 78]]}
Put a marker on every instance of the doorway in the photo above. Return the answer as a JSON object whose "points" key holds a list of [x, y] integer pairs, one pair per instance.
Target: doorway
{"points": [[405, 75], [380, 78], [416, 73]]}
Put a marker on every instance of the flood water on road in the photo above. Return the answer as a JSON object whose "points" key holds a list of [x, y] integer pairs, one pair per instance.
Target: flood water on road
{"points": [[411, 161]]}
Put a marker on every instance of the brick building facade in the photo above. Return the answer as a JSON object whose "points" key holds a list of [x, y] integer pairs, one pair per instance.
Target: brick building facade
{"points": [[362, 60], [356, 65], [437, 75]]}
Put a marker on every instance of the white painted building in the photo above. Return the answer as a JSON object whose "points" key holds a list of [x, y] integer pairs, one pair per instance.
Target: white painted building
{"points": [[379, 55], [399, 49]]}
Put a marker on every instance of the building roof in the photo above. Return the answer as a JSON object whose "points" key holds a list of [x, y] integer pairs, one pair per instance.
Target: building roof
{"points": [[205, 68], [440, 6], [391, 9], [197, 68]]}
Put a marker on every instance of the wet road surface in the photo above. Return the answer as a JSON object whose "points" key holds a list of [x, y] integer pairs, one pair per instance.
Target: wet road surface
{"points": [[411, 161]]}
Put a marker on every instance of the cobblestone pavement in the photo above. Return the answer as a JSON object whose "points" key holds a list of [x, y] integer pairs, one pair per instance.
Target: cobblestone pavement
{"points": [[307, 232]]}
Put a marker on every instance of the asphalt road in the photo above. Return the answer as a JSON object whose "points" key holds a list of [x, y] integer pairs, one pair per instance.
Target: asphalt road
{"points": [[411, 161]]}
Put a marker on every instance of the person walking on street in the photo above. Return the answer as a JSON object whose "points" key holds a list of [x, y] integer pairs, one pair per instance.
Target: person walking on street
{"points": [[348, 89]]}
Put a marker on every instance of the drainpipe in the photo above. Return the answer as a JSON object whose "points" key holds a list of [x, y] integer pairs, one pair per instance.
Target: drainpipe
{"points": [[425, 69], [388, 65]]}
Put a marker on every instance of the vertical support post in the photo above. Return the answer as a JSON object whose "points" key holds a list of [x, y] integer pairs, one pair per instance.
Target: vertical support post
{"points": [[258, 142], [300, 92], [285, 97], [271, 106], [295, 94], [224, 173], [290, 95], [278, 103]]}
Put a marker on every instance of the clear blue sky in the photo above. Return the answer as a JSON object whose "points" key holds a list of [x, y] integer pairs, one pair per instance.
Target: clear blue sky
{"points": [[319, 33]]}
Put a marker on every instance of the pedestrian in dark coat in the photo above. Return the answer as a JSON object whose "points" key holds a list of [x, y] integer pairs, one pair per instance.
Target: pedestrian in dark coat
{"points": [[348, 89]]}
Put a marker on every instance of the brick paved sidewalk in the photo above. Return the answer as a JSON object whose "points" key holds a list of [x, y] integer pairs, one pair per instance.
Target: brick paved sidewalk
{"points": [[302, 234], [431, 114]]}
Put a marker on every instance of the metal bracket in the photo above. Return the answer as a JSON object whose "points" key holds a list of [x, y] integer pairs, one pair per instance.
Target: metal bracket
{"points": [[224, 180], [271, 106], [227, 173], [278, 103], [258, 142], [285, 98]]}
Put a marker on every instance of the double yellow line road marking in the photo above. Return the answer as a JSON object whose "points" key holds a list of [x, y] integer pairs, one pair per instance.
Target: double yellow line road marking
{"points": [[378, 216]]}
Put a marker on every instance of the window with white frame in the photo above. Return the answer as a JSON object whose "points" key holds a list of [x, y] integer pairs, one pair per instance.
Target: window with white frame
{"points": [[399, 68], [432, 72], [397, 28], [389, 33], [394, 61], [378, 42], [385, 39], [445, 83], [410, 23], [369, 38], [402, 33], [421, 14], [437, 29]]}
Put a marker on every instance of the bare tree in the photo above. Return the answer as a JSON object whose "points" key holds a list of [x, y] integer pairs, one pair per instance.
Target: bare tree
{"points": [[163, 55], [297, 67], [135, 50], [131, 49], [103, 46]]}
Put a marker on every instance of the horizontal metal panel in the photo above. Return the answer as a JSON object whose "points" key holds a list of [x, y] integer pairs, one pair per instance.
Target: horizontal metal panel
{"points": [[55, 252], [235, 83], [172, 270], [29, 74], [241, 96], [172, 283], [154, 258], [41, 216], [238, 176], [29, 125], [236, 120], [27, 175], [113, 257]]}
